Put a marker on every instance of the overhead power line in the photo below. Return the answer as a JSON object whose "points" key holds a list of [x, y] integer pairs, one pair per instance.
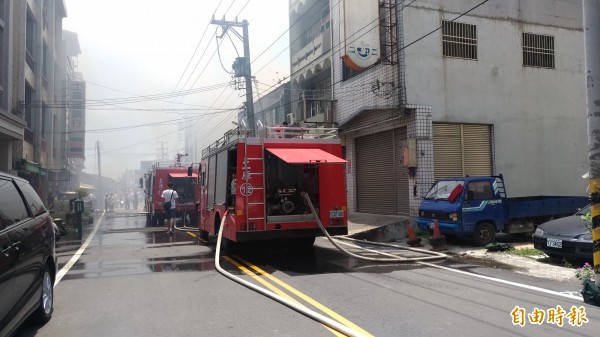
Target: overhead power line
{"points": [[197, 46]]}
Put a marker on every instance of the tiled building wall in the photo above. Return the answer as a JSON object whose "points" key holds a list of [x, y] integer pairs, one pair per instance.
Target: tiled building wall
{"points": [[373, 87], [417, 119]]}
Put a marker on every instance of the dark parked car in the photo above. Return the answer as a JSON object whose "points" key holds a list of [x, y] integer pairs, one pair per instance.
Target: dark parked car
{"points": [[27, 256], [566, 237]]}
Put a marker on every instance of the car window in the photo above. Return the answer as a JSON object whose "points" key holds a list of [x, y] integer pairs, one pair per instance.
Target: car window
{"points": [[479, 190], [12, 208], [33, 200]]}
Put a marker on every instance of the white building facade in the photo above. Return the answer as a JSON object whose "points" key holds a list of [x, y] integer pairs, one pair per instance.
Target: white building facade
{"points": [[500, 89]]}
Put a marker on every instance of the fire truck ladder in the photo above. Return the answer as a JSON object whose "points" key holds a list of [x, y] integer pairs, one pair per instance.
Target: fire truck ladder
{"points": [[246, 178]]}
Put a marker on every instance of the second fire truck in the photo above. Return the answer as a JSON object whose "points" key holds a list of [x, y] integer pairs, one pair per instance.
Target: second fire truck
{"points": [[156, 180]]}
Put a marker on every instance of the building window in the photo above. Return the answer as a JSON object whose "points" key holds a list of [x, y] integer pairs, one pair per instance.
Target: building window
{"points": [[538, 50], [3, 66], [2, 10], [30, 41], [28, 102], [44, 114], [459, 40], [28, 134], [325, 19], [3, 49]]}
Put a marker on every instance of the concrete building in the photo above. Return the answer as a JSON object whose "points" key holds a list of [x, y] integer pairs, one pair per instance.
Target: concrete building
{"points": [[36, 67], [500, 89], [274, 107], [12, 118], [40, 87], [73, 142]]}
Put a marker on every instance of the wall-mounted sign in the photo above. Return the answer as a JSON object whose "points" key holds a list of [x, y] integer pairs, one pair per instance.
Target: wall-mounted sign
{"points": [[76, 119], [360, 24]]}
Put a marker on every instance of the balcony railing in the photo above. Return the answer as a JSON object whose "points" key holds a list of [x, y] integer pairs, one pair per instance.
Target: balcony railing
{"points": [[303, 133], [320, 94], [316, 106]]}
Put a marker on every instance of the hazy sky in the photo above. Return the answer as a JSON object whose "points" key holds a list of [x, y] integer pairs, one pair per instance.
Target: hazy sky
{"points": [[133, 57]]}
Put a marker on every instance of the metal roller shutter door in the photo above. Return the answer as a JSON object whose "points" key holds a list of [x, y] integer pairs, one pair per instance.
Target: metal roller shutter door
{"points": [[461, 149], [477, 149], [381, 182], [447, 154]]}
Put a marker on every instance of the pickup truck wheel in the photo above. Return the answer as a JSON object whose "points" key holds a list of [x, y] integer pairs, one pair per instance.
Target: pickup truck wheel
{"points": [[484, 234]]}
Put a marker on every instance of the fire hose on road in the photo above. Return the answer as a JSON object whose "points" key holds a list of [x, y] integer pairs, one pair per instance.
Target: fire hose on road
{"points": [[390, 257], [302, 309], [295, 306]]}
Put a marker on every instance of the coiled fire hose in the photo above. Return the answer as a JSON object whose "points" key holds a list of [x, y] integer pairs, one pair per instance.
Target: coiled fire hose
{"points": [[297, 307], [391, 258]]}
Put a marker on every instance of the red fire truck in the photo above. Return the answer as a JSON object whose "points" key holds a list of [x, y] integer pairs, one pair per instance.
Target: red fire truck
{"points": [[156, 180], [260, 181]]}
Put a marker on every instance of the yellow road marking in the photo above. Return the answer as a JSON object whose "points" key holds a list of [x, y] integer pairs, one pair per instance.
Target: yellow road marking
{"points": [[193, 235], [306, 298], [273, 288]]}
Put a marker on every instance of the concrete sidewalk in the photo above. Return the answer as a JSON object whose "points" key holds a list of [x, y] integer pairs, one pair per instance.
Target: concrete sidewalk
{"points": [[387, 228], [375, 227]]}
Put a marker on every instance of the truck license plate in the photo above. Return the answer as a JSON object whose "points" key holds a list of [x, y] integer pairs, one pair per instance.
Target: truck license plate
{"points": [[336, 213], [554, 243]]}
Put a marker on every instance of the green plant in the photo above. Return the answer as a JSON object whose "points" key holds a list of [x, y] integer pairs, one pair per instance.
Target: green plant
{"points": [[82, 192], [525, 252], [588, 221], [566, 263], [585, 273], [423, 234]]}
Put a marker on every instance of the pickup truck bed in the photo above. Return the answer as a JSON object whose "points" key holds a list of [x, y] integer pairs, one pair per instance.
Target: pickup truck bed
{"points": [[536, 206]]}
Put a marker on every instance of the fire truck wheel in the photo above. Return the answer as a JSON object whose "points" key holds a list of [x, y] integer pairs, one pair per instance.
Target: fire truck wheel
{"points": [[203, 235], [302, 243], [229, 246]]}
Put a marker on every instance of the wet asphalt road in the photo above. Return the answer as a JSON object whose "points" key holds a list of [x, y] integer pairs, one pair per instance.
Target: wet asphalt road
{"points": [[138, 281]]}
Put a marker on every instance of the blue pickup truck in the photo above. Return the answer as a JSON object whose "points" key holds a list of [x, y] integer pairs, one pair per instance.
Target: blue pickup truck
{"points": [[477, 207]]}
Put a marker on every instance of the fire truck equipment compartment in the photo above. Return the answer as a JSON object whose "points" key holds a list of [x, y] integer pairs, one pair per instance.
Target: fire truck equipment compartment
{"points": [[306, 156]]}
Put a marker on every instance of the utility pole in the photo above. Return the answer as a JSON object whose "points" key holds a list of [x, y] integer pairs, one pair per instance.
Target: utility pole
{"points": [[591, 32], [241, 66], [100, 190]]}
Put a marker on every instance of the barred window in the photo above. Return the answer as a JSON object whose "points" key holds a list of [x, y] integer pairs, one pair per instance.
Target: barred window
{"points": [[538, 50], [459, 40]]}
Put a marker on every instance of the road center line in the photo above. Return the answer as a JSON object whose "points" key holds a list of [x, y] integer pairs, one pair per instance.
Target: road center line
{"points": [[65, 269], [515, 284], [306, 298], [270, 286]]}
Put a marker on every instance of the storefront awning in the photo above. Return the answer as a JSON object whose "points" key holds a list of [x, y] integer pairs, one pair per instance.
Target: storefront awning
{"points": [[87, 187], [28, 166], [306, 156], [183, 175]]}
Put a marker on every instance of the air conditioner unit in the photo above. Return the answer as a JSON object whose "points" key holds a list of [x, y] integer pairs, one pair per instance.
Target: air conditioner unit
{"points": [[291, 118]]}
